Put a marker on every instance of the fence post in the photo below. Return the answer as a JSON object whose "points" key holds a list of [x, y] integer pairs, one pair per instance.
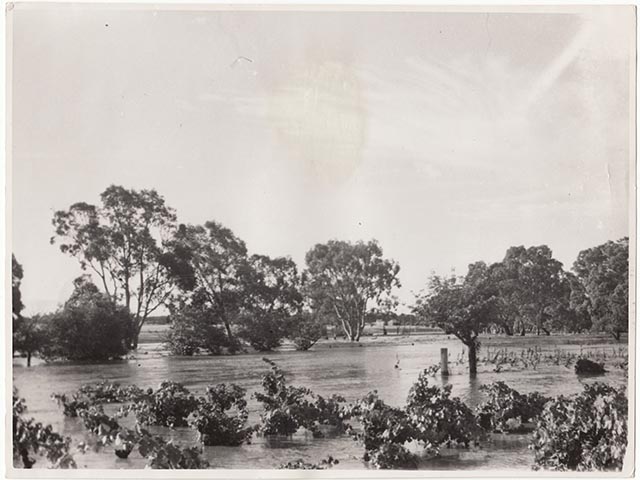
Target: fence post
{"points": [[444, 362]]}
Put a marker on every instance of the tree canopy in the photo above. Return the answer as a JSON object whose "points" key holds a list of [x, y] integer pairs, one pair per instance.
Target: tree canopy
{"points": [[121, 242], [346, 279], [463, 307], [603, 271]]}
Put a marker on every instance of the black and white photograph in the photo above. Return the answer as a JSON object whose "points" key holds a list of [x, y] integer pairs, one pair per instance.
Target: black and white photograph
{"points": [[255, 239]]}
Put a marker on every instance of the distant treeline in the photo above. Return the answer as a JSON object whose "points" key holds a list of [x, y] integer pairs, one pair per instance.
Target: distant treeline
{"points": [[138, 258]]}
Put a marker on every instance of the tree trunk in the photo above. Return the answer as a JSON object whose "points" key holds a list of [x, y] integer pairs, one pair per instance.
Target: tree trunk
{"points": [[547, 332], [28, 359], [473, 360], [507, 329]]}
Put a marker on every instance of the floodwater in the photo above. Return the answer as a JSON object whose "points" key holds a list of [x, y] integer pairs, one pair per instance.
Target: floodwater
{"points": [[350, 370]]}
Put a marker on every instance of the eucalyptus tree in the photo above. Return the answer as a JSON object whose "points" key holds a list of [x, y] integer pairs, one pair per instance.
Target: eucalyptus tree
{"points": [[209, 261], [603, 271], [346, 280], [272, 299], [460, 306], [121, 241]]}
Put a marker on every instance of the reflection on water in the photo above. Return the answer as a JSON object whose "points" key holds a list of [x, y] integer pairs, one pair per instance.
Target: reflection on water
{"points": [[349, 370]]}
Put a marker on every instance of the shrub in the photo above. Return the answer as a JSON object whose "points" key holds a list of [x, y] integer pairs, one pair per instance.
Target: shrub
{"points": [[300, 464], [505, 409], [213, 421], [305, 330], [31, 437], [262, 333], [168, 406], [70, 407], [162, 454], [585, 366], [385, 430], [586, 432], [30, 336], [332, 411], [381, 423], [392, 455], [286, 408], [110, 392], [439, 419], [96, 421], [192, 330], [88, 327]]}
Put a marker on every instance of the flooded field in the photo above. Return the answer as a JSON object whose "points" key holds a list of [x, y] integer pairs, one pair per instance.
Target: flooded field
{"points": [[350, 370]]}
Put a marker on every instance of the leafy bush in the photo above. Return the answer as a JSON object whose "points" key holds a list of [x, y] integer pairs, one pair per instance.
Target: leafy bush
{"points": [[31, 437], [94, 394], [585, 366], [262, 333], [505, 409], [332, 411], [30, 336], [110, 392], [89, 327], [392, 455], [162, 454], [70, 406], [168, 406], [381, 423], [586, 432], [300, 464], [192, 330], [213, 421], [286, 408], [305, 330], [384, 432], [439, 419]]}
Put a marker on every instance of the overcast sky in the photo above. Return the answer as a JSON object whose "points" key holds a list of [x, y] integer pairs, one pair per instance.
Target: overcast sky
{"points": [[446, 137]]}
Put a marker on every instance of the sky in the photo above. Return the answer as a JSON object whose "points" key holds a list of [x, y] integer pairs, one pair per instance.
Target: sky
{"points": [[448, 137]]}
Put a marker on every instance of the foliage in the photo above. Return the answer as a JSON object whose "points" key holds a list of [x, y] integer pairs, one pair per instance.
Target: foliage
{"points": [[97, 421], [170, 405], [535, 285], [385, 430], [194, 328], [31, 437], [212, 418], [210, 263], [462, 307], [110, 392], [584, 433], [392, 456], [603, 271], [162, 454], [70, 406], [30, 336], [305, 330], [94, 394], [120, 241], [439, 419], [332, 411], [505, 409], [586, 366], [343, 278], [286, 408], [262, 333], [272, 297], [17, 273], [300, 464], [88, 327]]}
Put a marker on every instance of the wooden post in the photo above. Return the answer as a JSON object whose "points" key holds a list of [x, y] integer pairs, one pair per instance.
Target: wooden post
{"points": [[444, 362]]}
